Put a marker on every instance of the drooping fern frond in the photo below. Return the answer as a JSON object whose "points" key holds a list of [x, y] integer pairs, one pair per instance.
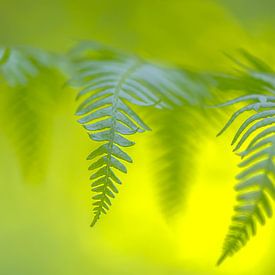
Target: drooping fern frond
{"points": [[174, 140], [256, 181], [174, 134], [174, 137], [111, 82], [30, 81], [253, 75], [20, 64]]}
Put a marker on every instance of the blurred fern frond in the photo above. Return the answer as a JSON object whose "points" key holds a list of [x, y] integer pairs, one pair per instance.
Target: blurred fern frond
{"points": [[18, 65], [174, 140], [31, 89], [252, 75], [110, 83], [25, 131]]}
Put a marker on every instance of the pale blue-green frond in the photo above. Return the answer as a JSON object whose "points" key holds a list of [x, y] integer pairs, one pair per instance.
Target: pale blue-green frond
{"points": [[256, 185], [18, 65], [147, 83], [107, 93], [110, 83]]}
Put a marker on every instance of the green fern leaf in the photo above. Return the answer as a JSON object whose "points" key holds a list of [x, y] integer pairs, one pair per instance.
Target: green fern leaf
{"points": [[174, 142], [253, 75], [255, 186], [20, 64], [24, 69], [110, 83]]}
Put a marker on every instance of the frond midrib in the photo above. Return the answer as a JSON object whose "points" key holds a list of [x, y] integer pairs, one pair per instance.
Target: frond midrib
{"points": [[116, 98]]}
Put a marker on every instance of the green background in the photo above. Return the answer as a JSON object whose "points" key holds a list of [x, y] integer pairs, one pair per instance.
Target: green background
{"points": [[45, 227]]}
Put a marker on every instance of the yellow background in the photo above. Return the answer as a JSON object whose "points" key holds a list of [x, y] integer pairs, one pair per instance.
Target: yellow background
{"points": [[45, 227]]}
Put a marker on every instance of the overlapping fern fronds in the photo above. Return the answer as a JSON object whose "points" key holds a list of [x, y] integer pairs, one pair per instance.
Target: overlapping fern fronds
{"points": [[110, 83], [256, 182], [174, 137], [252, 75], [113, 86]]}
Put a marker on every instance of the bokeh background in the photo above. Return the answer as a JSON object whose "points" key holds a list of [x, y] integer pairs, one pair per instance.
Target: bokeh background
{"points": [[45, 226]]}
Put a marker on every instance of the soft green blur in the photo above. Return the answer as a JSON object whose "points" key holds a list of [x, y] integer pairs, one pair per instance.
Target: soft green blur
{"points": [[45, 227]]}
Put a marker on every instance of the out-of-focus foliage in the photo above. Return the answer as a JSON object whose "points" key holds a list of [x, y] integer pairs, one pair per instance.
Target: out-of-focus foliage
{"points": [[175, 162], [37, 123], [27, 104], [20, 64]]}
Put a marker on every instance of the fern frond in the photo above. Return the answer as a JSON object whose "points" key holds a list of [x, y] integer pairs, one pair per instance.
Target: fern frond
{"points": [[255, 186], [32, 82], [24, 131], [148, 84], [108, 117], [111, 82], [253, 75], [174, 162], [27, 122], [255, 63], [20, 64]]}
